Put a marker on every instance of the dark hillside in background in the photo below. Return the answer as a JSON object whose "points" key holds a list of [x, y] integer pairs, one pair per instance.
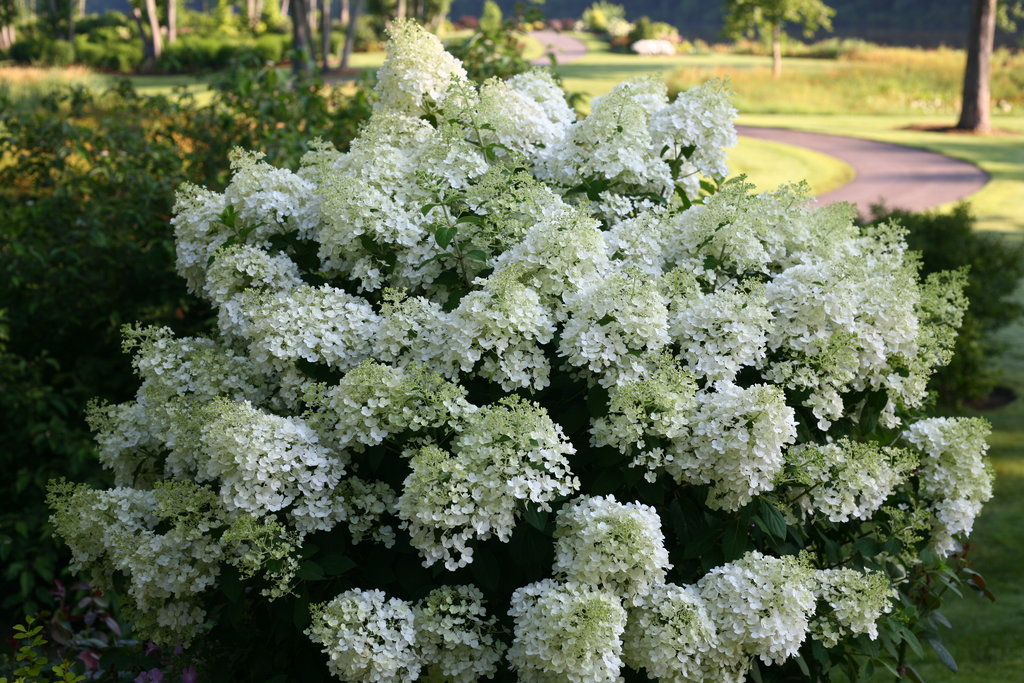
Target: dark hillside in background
{"points": [[926, 23]]}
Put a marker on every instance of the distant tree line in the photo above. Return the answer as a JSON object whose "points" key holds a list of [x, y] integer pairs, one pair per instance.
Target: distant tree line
{"points": [[900, 22]]}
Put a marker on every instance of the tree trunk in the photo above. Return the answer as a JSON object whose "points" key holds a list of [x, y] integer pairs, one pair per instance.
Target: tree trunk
{"points": [[344, 13], [777, 49], [154, 28], [976, 110], [285, 6], [7, 36], [301, 39], [350, 33], [172, 21], [311, 17], [147, 45], [325, 34], [400, 10]]}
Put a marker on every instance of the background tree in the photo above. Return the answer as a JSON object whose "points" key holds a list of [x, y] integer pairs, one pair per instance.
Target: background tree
{"points": [[976, 107], [9, 12], [152, 41], [302, 37], [770, 17]]}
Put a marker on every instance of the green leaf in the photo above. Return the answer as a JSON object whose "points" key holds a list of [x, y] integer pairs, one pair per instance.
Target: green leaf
{"points": [[755, 672], [874, 403], [867, 546], [597, 401], [444, 236], [476, 255], [337, 565], [933, 639], [772, 520], [486, 570], [911, 673], [300, 612], [910, 639], [538, 519], [231, 584], [310, 571], [735, 542], [606, 319], [470, 218]]}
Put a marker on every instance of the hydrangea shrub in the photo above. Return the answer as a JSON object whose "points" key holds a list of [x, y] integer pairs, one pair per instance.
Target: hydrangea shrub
{"points": [[503, 394]]}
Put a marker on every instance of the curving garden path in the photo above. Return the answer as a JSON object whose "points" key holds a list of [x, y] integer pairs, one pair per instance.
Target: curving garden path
{"points": [[566, 48], [900, 177]]}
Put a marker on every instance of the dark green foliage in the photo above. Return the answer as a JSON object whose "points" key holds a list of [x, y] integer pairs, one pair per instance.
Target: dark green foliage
{"points": [[87, 183], [202, 53], [947, 241]]}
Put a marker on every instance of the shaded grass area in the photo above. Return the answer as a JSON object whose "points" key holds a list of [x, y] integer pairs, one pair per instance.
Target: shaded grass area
{"points": [[998, 206], [988, 638]]}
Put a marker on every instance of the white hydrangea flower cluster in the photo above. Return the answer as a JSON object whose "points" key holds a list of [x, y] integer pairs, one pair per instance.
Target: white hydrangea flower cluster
{"points": [[374, 401], [417, 72], [857, 600], [670, 635], [616, 546], [240, 267], [455, 637], [722, 332], [367, 636], [688, 132], [507, 454], [761, 605], [843, 322], [646, 417], [315, 324], [265, 463], [365, 503], [567, 632], [270, 200], [847, 479], [954, 474], [735, 443], [504, 325], [163, 542], [613, 323], [613, 145]]}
